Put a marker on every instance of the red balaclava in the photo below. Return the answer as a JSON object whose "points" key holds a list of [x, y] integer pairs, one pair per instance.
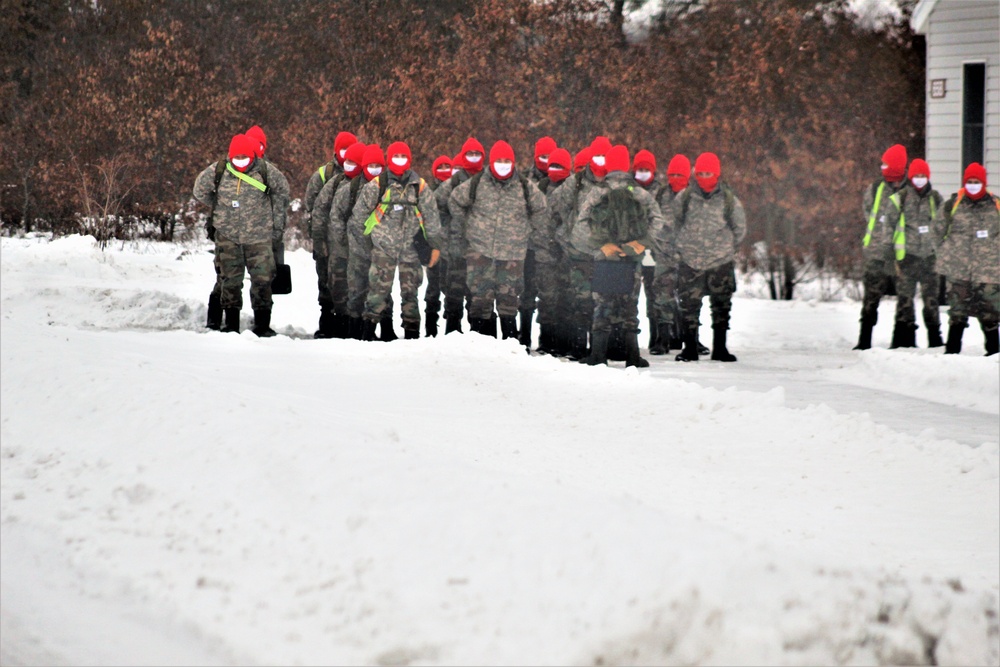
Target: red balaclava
{"points": [[501, 150], [679, 172], [257, 134], [458, 164], [599, 148], [582, 159], [442, 168], [559, 165], [241, 144], [894, 164], [978, 172], [373, 161], [543, 153], [709, 163], [401, 167], [920, 169], [341, 144], [355, 156], [617, 159], [472, 144], [644, 161]]}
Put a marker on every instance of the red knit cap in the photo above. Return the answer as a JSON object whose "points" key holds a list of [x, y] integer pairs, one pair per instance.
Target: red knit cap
{"points": [[918, 167], [398, 148], [559, 165], [617, 159], [241, 144], [373, 158], [356, 155], [501, 150], [543, 149], [707, 163], [582, 159], [644, 160], [442, 168], [679, 172], [600, 145], [978, 172], [894, 163], [472, 144], [341, 143], [257, 133]]}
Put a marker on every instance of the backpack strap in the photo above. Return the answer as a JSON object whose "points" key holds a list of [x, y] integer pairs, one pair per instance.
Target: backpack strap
{"points": [[325, 170], [472, 188], [355, 189]]}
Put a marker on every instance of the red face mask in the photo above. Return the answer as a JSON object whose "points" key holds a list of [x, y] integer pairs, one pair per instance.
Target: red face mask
{"points": [[557, 173], [678, 181], [707, 184]]}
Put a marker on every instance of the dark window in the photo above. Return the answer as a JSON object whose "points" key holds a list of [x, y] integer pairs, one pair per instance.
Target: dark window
{"points": [[973, 113]]}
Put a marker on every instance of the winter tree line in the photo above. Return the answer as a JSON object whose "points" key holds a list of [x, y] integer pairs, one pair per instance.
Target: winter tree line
{"points": [[110, 108]]}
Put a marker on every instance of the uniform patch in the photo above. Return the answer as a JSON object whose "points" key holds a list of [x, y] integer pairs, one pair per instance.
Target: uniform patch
{"points": [[236, 204], [982, 234], [923, 229]]}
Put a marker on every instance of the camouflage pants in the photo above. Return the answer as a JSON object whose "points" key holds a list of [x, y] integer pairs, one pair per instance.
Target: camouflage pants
{"points": [[914, 270], [457, 292], [529, 294], [666, 308], [717, 284], [337, 285], [232, 259], [876, 283], [323, 280], [979, 300], [437, 277], [493, 280], [579, 298], [618, 310], [551, 289], [380, 276]]}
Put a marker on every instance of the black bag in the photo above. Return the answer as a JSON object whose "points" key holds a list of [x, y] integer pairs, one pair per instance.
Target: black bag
{"points": [[282, 283], [612, 277], [421, 245]]}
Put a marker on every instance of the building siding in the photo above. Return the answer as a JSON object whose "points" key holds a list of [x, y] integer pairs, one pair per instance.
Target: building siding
{"points": [[960, 32]]}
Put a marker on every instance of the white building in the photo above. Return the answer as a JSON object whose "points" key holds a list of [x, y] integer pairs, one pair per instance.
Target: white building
{"points": [[963, 88]]}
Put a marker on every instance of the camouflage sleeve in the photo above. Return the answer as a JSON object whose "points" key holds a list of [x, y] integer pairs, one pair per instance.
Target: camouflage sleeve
{"points": [[942, 221], [538, 220], [598, 235], [280, 196], [739, 222], [321, 212], [458, 203], [432, 222], [312, 191], [204, 186], [336, 220], [867, 202], [366, 203], [655, 222]]}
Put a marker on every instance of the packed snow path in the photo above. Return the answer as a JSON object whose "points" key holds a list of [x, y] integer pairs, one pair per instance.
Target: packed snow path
{"points": [[174, 496]]}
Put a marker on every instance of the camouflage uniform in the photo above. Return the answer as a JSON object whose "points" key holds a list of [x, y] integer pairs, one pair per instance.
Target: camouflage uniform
{"points": [[666, 306], [456, 291], [437, 275], [968, 256], [529, 293], [392, 241], [705, 243], [359, 255], [619, 310], [549, 275], [917, 266], [877, 251], [333, 239], [248, 226], [495, 229], [317, 232], [653, 313]]}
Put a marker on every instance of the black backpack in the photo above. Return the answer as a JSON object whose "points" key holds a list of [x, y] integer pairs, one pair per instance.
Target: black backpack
{"points": [[620, 214]]}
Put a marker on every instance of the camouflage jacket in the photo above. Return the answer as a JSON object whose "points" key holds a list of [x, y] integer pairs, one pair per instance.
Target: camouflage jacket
{"points": [[564, 206], [499, 223], [320, 178], [703, 238], [879, 248], [442, 194], [654, 221], [920, 211], [970, 245], [320, 215], [339, 212], [535, 175], [394, 233], [241, 212]]}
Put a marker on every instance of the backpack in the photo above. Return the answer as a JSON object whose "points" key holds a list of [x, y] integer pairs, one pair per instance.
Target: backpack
{"points": [[524, 188], [727, 209], [324, 170], [620, 215], [220, 169]]}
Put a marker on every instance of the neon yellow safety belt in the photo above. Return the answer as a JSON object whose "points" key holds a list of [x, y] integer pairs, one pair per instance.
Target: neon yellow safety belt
{"points": [[246, 179], [899, 234], [871, 218]]}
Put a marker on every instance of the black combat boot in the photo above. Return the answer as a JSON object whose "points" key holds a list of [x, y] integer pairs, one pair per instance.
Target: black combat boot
{"points": [[616, 345], [388, 334], [719, 351], [214, 320], [598, 349], [689, 352], [411, 330], [452, 323], [431, 323], [632, 356], [654, 335], [232, 320], [865, 337], [524, 333], [578, 344], [662, 343], [933, 334], [904, 334], [954, 344], [702, 350], [262, 323], [490, 326], [355, 327], [992, 342], [368, 329], [326, 323], [545, 340], [508, 327]]}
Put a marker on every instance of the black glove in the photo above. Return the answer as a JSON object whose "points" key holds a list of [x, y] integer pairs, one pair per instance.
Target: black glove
{"points": [[210, 228]]}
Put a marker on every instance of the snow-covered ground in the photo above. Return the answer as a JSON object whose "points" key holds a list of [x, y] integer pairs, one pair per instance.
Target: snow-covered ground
{"points": [[172, 496]]}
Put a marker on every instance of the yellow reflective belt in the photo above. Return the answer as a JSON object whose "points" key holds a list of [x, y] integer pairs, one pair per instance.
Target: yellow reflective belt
{"points": [[246, 179], [899, 235], [871, 218]]}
